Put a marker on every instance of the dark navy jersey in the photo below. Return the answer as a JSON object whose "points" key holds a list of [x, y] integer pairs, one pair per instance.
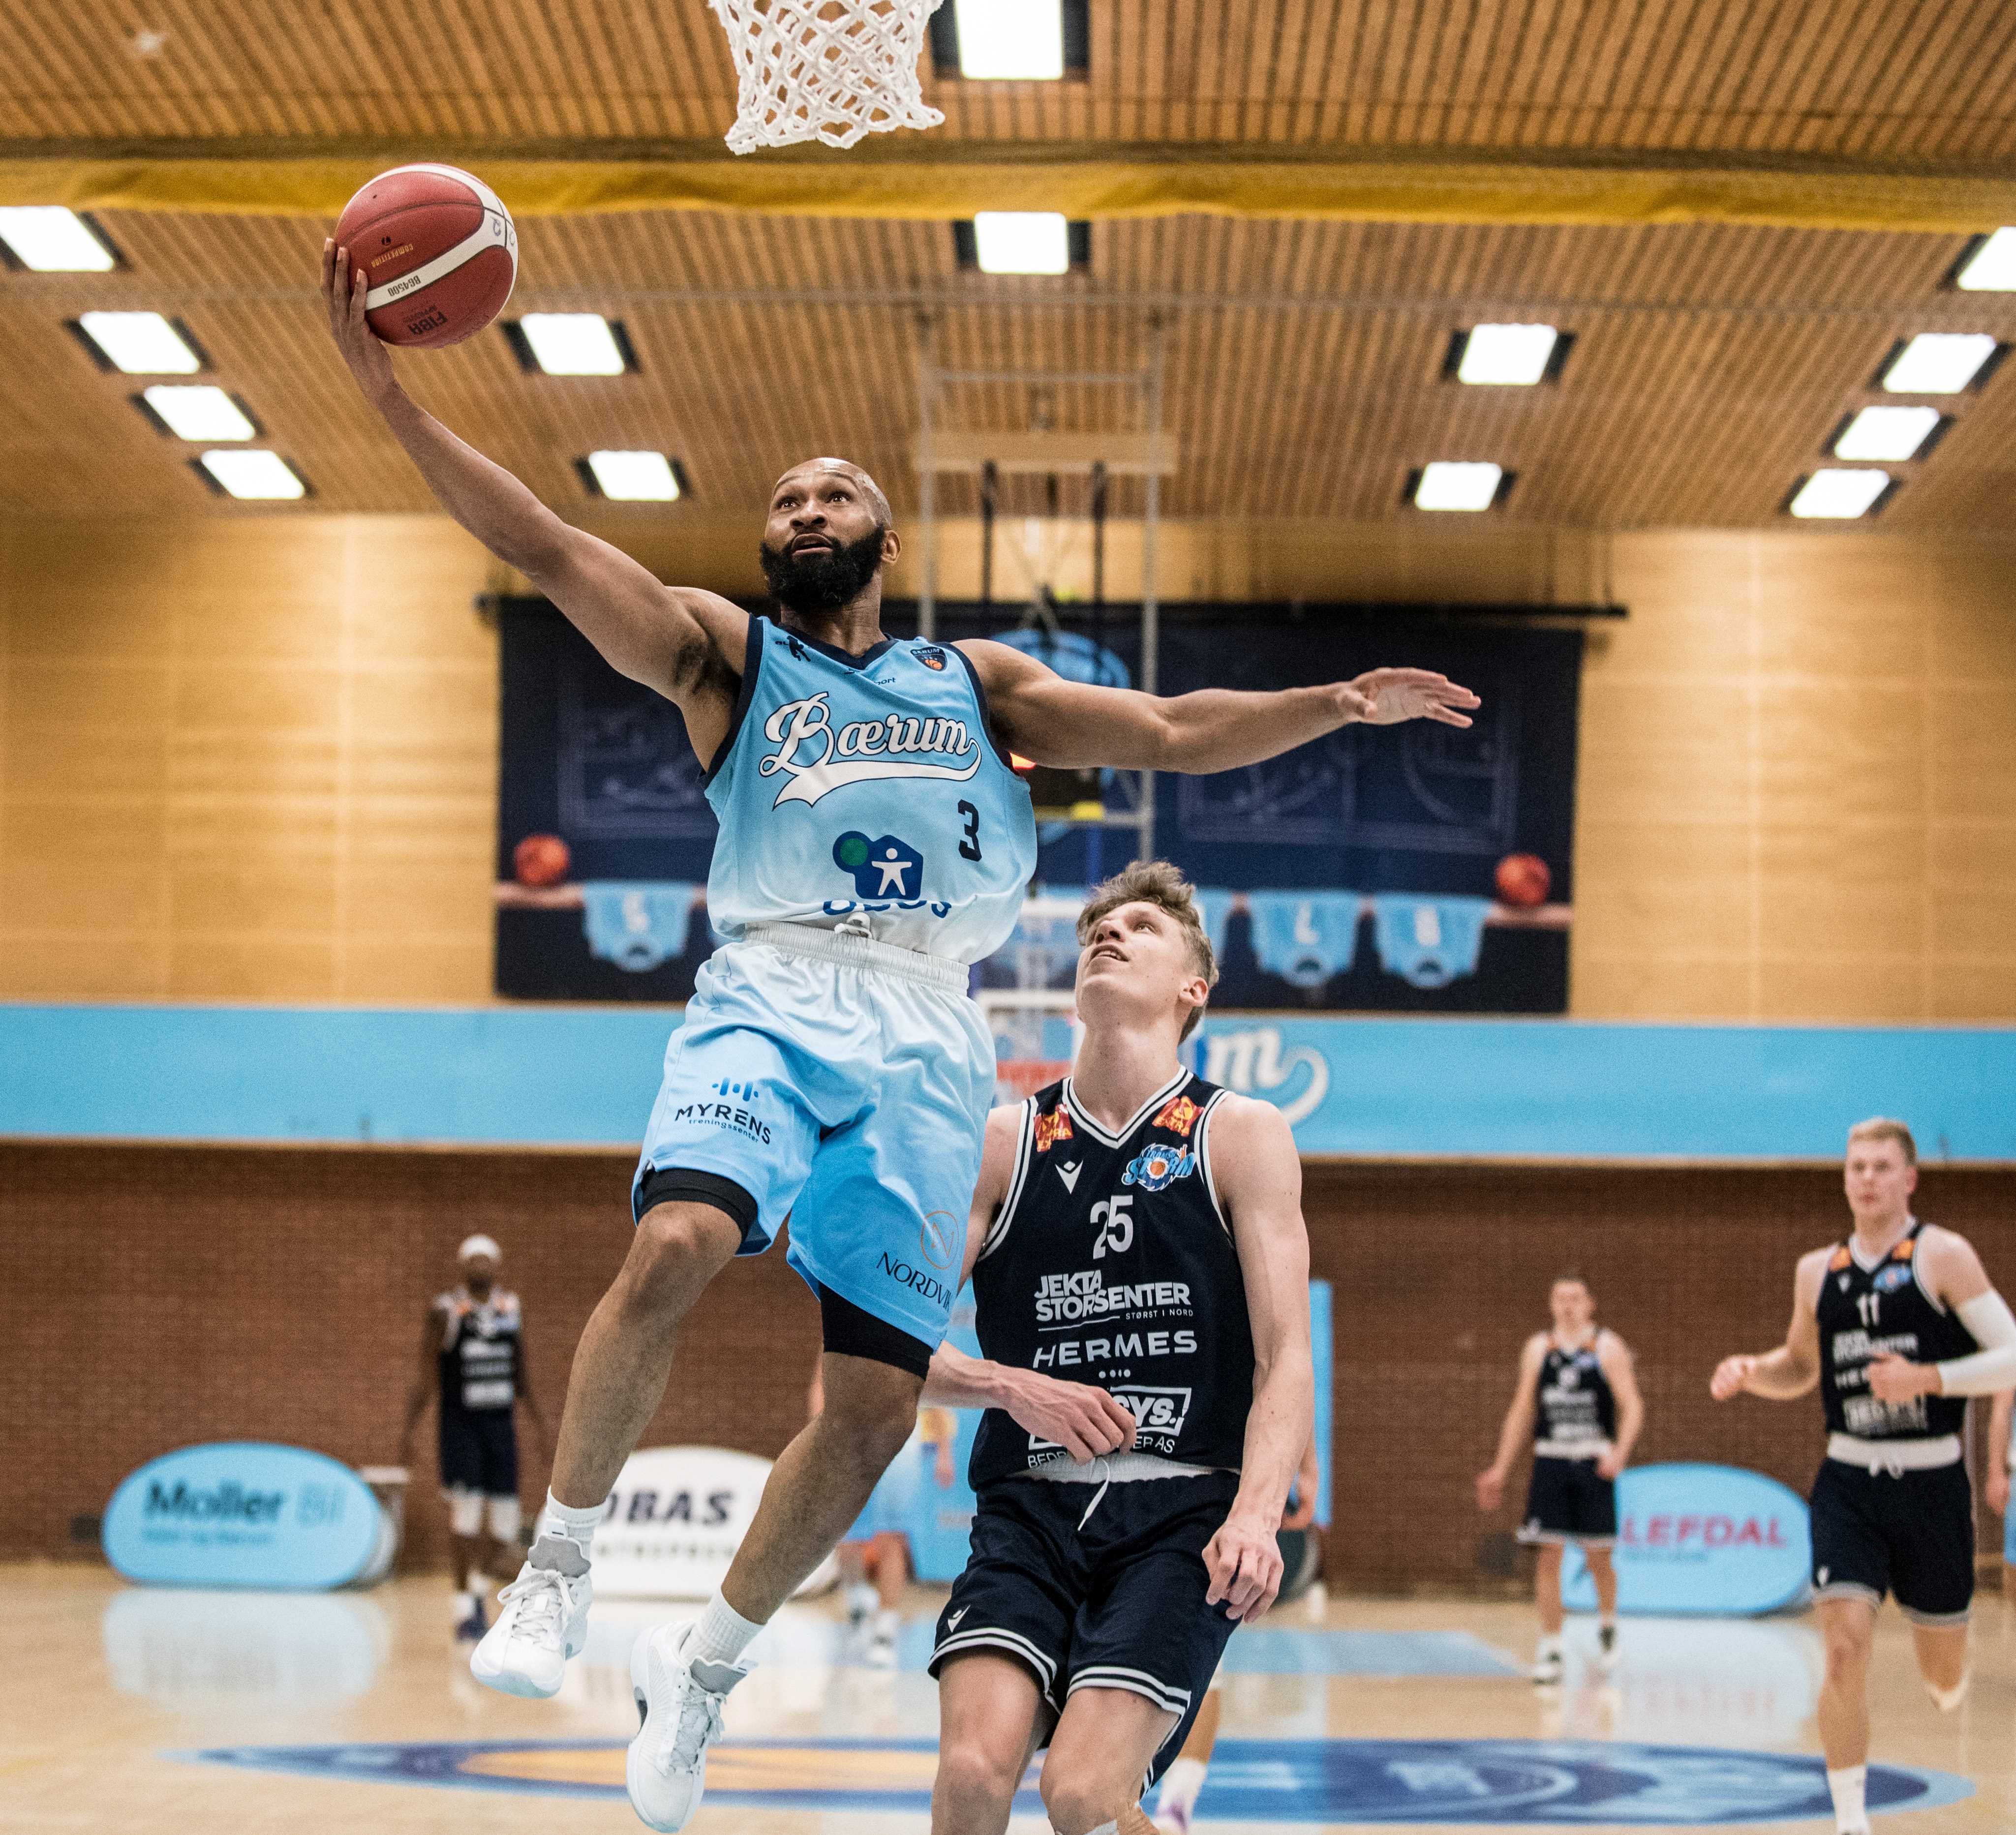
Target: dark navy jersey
{"points": [[1863, 1312], [1575, 1412], [479, 1353], [1110, 1262]]}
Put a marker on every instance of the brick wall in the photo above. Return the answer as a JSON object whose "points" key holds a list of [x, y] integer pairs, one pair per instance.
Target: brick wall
{"points": [[158, 1296]]}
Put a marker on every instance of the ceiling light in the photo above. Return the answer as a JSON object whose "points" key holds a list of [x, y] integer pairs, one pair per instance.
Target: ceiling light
{"points": [[1506, 353], [572, 343], [254, 471], [196, 412], [1938, 362], [1886, 432], [1021, 242], [1831, 492], [1452, 485], [52, 240], [141, 344], [1010, 40], [1991, 268], [635, 477]]}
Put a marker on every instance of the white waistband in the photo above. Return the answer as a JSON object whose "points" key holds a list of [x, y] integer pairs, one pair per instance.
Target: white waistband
{"points": [[1121, 1468], [1894, 1456], [857, 951], [1570, 1449]]}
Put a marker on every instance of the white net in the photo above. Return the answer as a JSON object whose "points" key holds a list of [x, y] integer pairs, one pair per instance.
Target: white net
{"points": [[824, 69]]}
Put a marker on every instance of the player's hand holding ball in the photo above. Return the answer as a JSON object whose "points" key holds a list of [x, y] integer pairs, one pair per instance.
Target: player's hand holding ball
{"points": [[1732, 1376], [1244, 1561]]}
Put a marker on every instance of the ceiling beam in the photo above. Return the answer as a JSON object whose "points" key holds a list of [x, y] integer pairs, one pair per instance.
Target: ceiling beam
{"points": [[923, 179]]}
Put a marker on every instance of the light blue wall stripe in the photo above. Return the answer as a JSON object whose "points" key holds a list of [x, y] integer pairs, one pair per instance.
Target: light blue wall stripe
{"points": [[586, 1076]]}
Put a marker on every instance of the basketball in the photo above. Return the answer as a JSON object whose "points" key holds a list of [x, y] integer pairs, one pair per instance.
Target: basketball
{"points": [[438, 250], [1522, 878], [541, 860]]}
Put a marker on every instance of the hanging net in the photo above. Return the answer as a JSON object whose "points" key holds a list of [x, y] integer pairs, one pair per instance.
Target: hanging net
{"points": [[824, 69]]}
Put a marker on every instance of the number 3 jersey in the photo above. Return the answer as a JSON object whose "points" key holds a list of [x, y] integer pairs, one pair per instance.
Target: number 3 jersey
{"points": [[1864, 1312], [1110, 1262], [867, 789]]}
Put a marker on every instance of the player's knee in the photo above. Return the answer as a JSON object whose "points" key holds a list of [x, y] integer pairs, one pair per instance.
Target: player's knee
{"points": [[875, 1410], [1074, 1800], [1598, 1560], [975, 1780], [1847, 1647], [678, 1247]]}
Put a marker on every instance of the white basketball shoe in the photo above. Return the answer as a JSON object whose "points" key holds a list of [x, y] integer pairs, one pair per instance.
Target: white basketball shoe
{"points": [[679, 1700], [541, 1621]]}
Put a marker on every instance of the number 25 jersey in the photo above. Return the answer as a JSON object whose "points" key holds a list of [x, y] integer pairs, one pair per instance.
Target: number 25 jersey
{"points": [[1110, 1262], [869, 786]]}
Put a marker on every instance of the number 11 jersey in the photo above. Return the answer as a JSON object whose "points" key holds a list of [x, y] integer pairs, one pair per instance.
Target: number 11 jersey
{"points": [[1863, 1313]]}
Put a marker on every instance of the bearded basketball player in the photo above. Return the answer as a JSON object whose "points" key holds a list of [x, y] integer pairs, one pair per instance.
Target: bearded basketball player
{"points": [[874, 842], [1898, 1325], [1576, 1400], [1140, 1231]]}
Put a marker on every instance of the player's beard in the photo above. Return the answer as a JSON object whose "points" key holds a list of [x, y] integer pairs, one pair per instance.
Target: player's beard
{"points": [[823, 580]]}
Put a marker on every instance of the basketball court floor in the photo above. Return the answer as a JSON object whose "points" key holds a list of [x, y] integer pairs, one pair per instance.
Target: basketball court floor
{"points": [[132, 1709]]}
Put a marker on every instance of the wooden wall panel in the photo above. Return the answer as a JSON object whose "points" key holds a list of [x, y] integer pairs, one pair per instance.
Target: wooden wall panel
{"points": [[255, 758]]}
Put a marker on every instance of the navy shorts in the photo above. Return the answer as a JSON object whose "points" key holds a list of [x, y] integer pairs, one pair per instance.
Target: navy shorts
{"points": [[479, 1452], [1911, 1534], [1116, 1604], [1569, 1501]]}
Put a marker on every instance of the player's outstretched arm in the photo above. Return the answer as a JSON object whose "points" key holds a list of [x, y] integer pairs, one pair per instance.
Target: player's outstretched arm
{"points": [[1517, 1428], [1056, 722], [686, 644], [1786, 1373], [1259, 1177]]}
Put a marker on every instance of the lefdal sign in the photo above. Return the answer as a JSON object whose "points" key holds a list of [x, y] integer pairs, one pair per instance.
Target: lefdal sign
{"points": [[1700, 1538], [242, 1513]]}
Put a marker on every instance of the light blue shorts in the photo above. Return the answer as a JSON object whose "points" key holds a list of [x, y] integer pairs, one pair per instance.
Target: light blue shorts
{"points": [[844, 1084]]}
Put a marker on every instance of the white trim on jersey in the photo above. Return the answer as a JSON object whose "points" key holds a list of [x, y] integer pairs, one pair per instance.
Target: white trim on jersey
{"points": [[1140, 1115], [1136, 1681], [1924, 1286], [1204, 1160], [997, 1231], [1000, 1638]]}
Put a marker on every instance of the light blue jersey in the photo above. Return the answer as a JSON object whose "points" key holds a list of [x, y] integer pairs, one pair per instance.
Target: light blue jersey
{"points": [[868, 785]]}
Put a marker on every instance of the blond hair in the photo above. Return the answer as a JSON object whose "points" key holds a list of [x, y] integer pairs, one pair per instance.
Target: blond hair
{"points": [[1159, 883], [1883, 1128]]}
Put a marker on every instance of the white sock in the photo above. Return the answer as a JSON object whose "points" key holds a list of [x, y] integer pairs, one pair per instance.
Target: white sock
{"points": [[1549, 1645], [1607, 1622], [1846, 1786], [577, 1526], [888, 1623], [479, 1585], [465, 1603], [1111, 1828], [1945, 1700], [721, 1634], [1181, 1783]]}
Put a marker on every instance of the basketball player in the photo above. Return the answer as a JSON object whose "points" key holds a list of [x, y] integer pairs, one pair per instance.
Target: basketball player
{"points": [[472, 1362], [874, 842], [1136, 1229], [1577, 1399], [1898, 1325]]}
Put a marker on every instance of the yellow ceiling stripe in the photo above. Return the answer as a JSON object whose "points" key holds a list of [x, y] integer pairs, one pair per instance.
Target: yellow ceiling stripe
{"points": [[953, 179]]}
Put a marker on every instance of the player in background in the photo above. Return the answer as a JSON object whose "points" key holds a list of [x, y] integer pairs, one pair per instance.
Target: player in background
{"points": [[1138, 1231], [875, 1556], [2001, 1427], [1183, 1782], [875, 841], [1898, 1325], [1576, 1399], [472, 1365]]}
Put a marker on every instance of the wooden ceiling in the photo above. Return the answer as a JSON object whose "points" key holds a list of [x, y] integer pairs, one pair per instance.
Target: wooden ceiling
{"points": [[1710, 365]]}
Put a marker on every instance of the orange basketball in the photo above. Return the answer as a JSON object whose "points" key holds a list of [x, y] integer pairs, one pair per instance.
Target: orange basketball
{"points": [[1522, 878], [541, 860], [439, 251]]}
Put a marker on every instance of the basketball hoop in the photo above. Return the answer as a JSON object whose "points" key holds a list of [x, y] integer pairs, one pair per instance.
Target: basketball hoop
{"points": [[824, 69]]}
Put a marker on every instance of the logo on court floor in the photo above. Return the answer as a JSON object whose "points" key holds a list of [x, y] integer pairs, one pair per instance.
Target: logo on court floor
{"points": [[1273, 1782]]}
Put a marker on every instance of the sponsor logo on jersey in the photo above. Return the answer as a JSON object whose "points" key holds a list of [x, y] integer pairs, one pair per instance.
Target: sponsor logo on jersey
{"points": [[1051, 1128], [1069, 1174], [930, 655], [1070, 1352], [1178, 1115], [1062, 1297], [919, 1280], [1156, 1167], [937, 1240], [1889, 1279], [736, 1113], [1841, 1260], [888, 867], [816, 761], [1904, 1250]]}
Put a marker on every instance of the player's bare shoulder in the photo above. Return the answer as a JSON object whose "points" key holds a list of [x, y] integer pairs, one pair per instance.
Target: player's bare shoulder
{"points": [[1250, 1141]]}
